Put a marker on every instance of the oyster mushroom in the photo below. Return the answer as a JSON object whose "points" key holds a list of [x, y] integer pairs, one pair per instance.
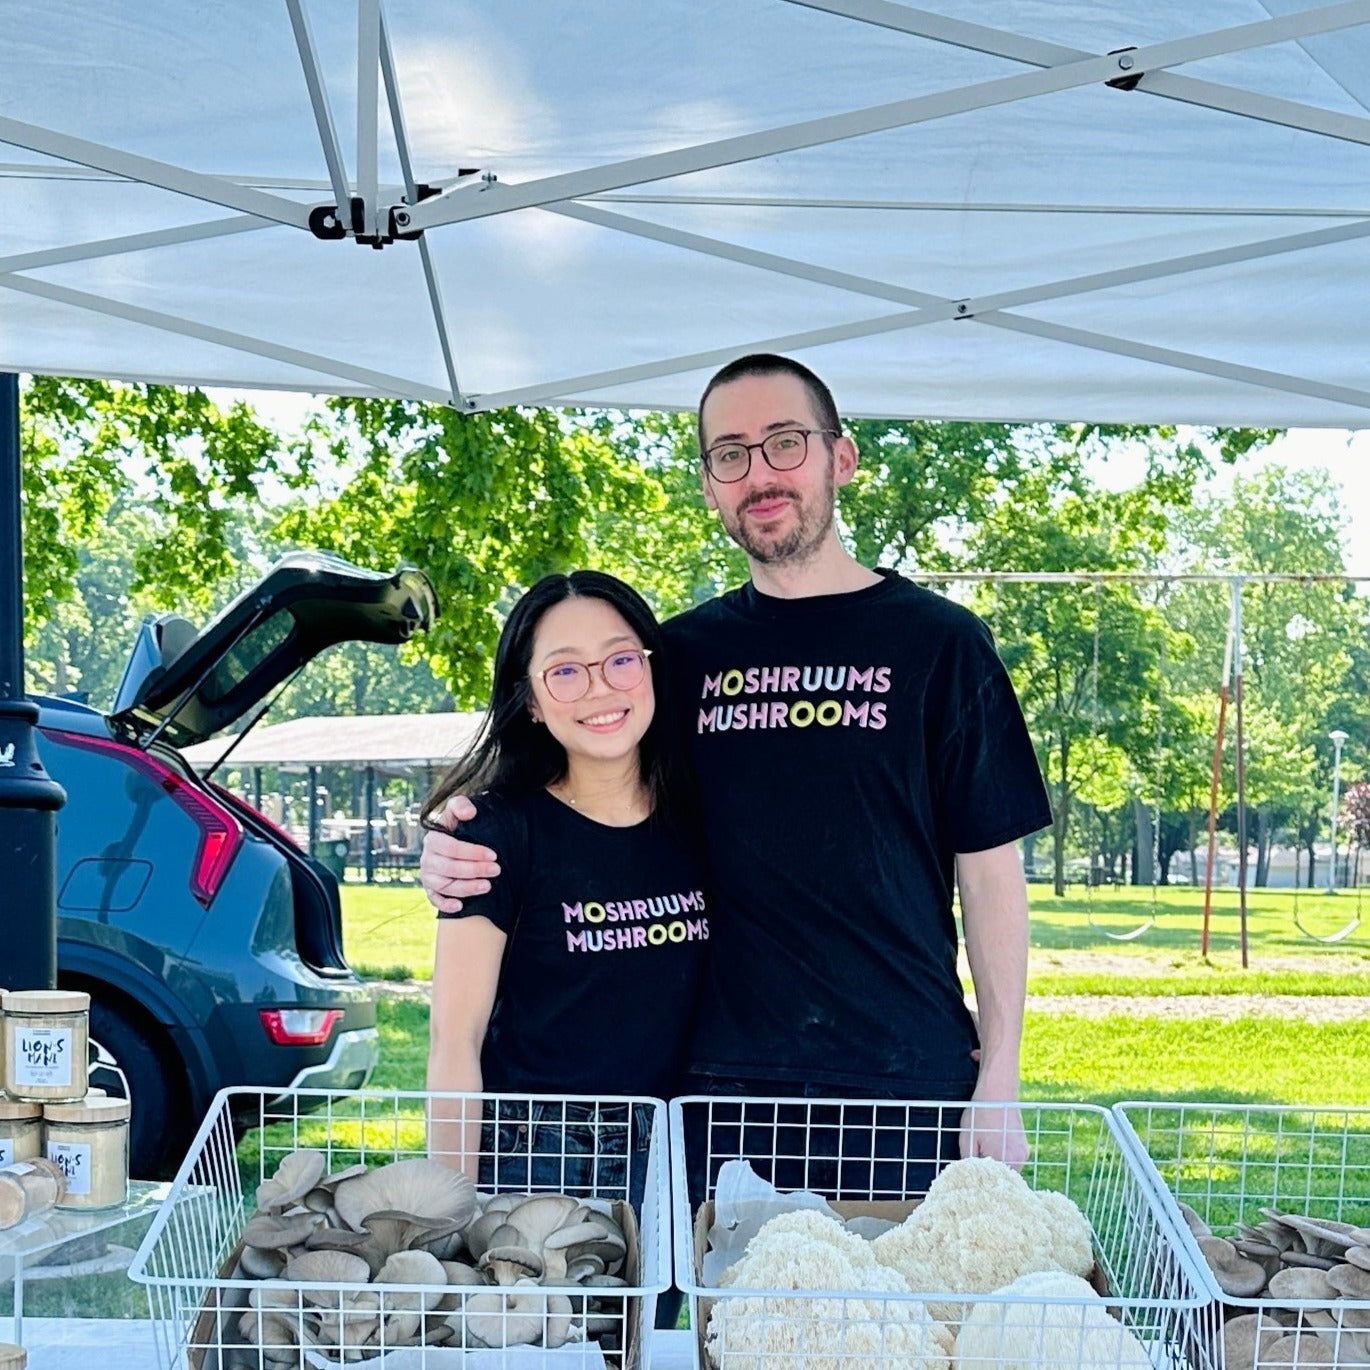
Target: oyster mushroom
{"points": [[276, 1232], [1323, 1236], [320, 1198], [1243, 1335], [1297, 1348], [297, 1174], [540, 1215], [1351, 1281], [418, 1185], [403, 1311], [1358, 1255], [1298, 1283], [326, 1267], [1193, 1221], [458, 1272], [510, 1318], [260, 1263], [1307, 1259], [279, 1336], [1236, 1275], [510, 1264]]}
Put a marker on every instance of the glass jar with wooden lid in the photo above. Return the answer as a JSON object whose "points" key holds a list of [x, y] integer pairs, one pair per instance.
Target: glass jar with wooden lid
{"points": [[88, 1142], [21, 1130], [45, 1043]]}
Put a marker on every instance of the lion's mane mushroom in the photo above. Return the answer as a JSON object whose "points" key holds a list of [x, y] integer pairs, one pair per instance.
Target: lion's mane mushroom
{"points": [[980, 1226], [1236, 1275], [413, 1186], [748, 1332], [1023, 1335]]}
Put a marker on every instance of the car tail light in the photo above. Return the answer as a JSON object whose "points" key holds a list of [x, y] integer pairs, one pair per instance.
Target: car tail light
{"points": [[220, 832], [299, 1027]]}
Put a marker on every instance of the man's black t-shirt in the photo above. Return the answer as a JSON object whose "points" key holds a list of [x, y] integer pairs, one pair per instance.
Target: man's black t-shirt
{"points": [[847, 747], [606, 930]]}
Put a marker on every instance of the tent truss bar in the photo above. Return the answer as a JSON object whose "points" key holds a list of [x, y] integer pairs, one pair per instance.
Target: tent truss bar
{"points": [[240, 342], [1184, 361], [938, 307], [983, 207], [318, 99], [368, 112], [988, 309], [129, 166], [453, 207], [133, 242], [1168, 85], [390, 77]]}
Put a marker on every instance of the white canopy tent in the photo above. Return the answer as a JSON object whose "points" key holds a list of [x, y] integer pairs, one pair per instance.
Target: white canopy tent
{"points": [[950, 211]]}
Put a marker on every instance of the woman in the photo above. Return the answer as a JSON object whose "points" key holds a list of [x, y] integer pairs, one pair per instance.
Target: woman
{"points": [[576, 973]]}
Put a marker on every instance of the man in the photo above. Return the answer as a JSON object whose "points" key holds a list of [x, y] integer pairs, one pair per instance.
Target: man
{"points": [[858, 746]]}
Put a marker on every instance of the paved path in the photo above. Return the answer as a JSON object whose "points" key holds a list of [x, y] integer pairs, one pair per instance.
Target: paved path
{"points": [[1311, 1008]]}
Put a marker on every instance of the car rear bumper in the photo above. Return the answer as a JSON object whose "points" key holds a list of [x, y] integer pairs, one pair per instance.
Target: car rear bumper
{"points": [[349, 1065]]}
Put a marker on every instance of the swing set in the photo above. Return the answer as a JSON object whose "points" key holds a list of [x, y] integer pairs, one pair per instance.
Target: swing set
{"points": [[1230, 693]]}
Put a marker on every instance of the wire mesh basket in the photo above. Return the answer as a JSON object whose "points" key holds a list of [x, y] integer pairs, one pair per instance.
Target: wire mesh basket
{"points": [[1146, 1307], [1234, 1166], [609, 1153]]}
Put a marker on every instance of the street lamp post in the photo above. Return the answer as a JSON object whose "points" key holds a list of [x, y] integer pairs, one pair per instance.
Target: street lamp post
{"points": [[1338, 738]]}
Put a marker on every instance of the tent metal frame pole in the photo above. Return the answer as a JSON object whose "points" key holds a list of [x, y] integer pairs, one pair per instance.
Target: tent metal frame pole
{"points": [[131, 167], [170, 323], [1181, 361], [368, 111], [318, 99], [133, 242], [988, 310], [390, 77], [455, 207], [1037, 52], [979, 206], [29, 797]]}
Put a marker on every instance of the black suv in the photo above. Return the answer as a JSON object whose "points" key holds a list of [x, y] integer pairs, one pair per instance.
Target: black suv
{"points": [[211, 945]]}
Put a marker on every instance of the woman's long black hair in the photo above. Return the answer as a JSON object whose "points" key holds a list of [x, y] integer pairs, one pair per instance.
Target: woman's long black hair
{"points": [[514, 756]]}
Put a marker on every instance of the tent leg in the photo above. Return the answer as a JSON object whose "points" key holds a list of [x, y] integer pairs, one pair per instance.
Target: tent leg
{"points": [[29, 797], [370, 819]]}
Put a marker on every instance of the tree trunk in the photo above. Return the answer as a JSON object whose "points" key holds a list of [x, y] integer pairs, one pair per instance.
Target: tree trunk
{"points": [[1312, 864], [1143, 864]]}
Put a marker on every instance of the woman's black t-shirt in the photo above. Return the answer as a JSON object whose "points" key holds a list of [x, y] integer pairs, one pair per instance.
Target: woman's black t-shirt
{"points": [[606, 932]]}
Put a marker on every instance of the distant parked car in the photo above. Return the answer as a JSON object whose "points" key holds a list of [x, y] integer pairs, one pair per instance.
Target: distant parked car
{"points": [[211, 945]]}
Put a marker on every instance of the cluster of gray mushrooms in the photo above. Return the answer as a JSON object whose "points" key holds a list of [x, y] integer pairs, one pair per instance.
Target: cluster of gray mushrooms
{"points": [[1286, 1260], [366, 1260]]}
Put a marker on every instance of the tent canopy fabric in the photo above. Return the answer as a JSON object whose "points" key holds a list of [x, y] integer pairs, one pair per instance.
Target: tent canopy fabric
{"points": [[998, 209], [386, 741]]}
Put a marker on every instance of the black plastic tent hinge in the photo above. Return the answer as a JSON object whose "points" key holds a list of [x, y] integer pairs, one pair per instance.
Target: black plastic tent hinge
{"points": [[325, 222], [1124, 82]]}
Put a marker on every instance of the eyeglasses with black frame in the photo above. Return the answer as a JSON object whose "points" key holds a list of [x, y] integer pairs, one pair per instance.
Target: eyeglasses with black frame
{"points": [[782, 451], [568, 681]]}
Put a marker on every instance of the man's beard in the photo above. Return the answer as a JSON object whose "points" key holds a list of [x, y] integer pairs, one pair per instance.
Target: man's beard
{"points": [[805, 536]]}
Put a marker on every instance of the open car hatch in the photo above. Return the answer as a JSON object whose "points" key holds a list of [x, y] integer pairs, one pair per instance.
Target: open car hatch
{"points": [[187, 686]]}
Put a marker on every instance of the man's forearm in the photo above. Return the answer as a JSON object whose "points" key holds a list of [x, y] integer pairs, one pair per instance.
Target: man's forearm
{"points": [[994, 915]]}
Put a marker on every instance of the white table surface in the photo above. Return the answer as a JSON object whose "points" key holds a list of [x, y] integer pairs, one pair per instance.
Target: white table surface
{"points": [[112, 1344]]}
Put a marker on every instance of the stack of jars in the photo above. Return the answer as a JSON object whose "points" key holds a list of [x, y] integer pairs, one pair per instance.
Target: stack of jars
{"points": [[61, 1143]]}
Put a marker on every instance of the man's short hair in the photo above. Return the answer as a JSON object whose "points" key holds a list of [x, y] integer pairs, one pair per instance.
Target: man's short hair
{"points": [[772, 364]]}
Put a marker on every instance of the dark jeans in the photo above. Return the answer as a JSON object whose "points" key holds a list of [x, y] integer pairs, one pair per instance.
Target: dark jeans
{"points": [[566, 1148], [873, 1148]]}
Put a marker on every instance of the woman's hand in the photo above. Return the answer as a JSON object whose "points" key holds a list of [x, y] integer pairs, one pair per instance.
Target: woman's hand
{"points": [[451, 870]]}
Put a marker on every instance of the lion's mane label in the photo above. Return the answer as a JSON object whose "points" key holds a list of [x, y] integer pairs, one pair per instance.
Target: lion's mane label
{"points": [[73, 1160], [43, 1057]]}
